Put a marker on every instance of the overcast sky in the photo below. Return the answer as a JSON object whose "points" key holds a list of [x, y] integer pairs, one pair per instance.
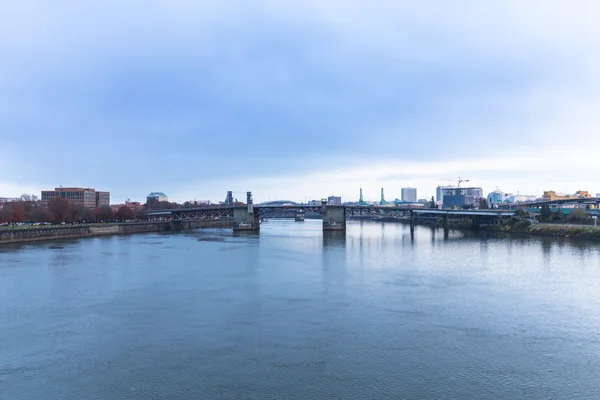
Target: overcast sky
{"points": [[298, 99]]}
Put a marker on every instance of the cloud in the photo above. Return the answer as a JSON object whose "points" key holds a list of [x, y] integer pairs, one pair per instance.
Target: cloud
{"points": [[193, 98]]}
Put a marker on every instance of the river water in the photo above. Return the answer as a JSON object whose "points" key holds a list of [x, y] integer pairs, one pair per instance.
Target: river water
{"points": [[294, 314]]}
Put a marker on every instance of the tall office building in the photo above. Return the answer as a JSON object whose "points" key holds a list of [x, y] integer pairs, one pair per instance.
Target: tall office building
{"points": [[87, 197], [439, 192], [409, 195], [463, 196]]}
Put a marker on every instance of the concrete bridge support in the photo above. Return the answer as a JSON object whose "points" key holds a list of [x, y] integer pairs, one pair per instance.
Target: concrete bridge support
{"points": [[176, 225], [334, 218], [476, 222], [299, 216], [244, 218], [245, 221]]}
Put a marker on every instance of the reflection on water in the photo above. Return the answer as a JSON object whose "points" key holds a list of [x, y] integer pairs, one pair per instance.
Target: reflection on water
{"points": [[294, 312], [334, 239]]}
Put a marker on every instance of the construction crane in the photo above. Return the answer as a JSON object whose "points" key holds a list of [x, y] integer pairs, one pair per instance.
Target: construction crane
{"points": [[460, 180]]}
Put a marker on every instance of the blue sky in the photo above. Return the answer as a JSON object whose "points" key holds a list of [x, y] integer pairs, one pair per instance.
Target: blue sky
{"points": [[298, 100]]}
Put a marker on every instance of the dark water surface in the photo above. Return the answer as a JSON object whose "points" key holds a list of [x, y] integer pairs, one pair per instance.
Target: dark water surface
{"points": [[293, 314]]}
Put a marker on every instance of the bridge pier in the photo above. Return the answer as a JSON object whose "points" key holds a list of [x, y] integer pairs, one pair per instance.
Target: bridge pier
{"points": [[244, 218], [476, 222], [334, 217], [245, 221], [299, 217], [176, 225]]}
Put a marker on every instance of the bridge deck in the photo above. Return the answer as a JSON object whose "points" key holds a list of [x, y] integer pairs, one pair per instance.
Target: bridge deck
{"points": [[350, 210]]}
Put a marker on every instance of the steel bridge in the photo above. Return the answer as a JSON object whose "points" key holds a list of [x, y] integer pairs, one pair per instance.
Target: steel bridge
{"points": [[226, 212]]}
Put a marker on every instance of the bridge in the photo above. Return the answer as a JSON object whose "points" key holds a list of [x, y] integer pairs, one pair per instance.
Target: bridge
{"points": [[249, 216]]}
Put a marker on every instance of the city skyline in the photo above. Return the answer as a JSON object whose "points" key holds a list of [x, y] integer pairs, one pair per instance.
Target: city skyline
{"points": [[298, 101], [512, 197]]}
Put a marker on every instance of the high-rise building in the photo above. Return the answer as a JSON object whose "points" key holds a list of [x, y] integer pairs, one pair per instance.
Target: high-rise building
{"points": [[439, 194], [409, 195], [463, 196], [87, 197]]}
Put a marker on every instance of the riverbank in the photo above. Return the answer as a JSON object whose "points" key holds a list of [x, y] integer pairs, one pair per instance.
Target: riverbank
{"points": [[520, 227], [553, 230], [57, 232]]}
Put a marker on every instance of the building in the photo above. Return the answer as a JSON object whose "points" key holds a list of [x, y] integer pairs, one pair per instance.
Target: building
{"points": [[334, 201], [102, 199], [156, 196], [522, 198], [598, 195], [5, 200], [551, 195], [405, 204], [133, 205], [86, 197], [439, 195], [409, 195], [460, 197], [499, 197]]}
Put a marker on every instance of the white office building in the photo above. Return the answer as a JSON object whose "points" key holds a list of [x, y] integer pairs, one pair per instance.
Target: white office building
{"points": [[522, 198]]}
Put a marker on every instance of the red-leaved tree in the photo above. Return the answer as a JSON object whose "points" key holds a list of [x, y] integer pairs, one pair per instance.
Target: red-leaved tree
{"points": [[60, 209], [104, 214], [12, 212], [124, 213]]}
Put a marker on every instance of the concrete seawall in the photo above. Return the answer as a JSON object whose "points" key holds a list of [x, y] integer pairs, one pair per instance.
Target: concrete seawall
{"points": [[20, 235]]}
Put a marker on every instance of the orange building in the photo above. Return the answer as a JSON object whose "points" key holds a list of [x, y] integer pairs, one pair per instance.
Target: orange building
{"points": [[551, 195]]}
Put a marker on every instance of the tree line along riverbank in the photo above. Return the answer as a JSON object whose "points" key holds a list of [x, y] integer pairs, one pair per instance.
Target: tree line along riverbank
{"points": [[556, 230], [525, 227]]}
